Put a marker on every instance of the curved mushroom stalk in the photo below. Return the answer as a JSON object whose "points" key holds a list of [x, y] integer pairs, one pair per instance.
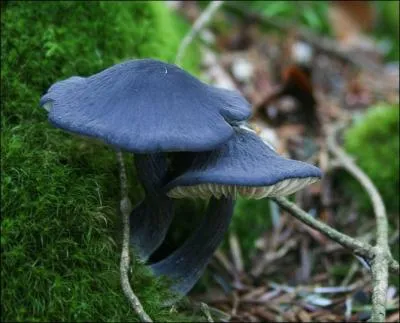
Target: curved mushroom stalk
{"points": [[149, 223], [245, 166], [150, 220], [186, 264], [147, 106], [151, 171]]}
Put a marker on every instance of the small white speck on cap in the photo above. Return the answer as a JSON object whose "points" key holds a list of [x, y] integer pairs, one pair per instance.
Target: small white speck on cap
{"points": [[48, 106]]}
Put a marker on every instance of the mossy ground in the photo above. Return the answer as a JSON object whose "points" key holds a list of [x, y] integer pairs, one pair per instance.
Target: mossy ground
{"points": [[60, 229], [374, 143]]}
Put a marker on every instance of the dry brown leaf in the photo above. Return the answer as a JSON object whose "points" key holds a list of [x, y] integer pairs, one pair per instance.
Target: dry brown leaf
{"points": [[303, 316]]}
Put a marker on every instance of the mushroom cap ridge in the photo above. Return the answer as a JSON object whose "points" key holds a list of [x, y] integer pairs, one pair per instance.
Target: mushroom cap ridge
{"points": [[244, 161], [146, 106]]}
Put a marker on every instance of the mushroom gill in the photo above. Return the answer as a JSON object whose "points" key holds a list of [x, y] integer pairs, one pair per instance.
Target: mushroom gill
{"points": [[207, 190]]}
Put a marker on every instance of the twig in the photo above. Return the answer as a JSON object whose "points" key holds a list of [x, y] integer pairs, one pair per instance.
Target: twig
{"points": [[270, 257], [214, 313], [236, 252], [353, 269], [318, 290], [380, 262], [126, 208], [235, 303], [364, 250], [204, 18], [275, 214], [348, 308], [358, 247], [206, 311], [224, 261]]}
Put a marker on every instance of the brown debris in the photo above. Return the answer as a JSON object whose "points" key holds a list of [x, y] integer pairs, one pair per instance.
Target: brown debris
{"points": [[296, 274]]}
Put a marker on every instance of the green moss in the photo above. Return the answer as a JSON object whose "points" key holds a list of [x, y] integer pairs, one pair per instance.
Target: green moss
{"points": [[250, 219], [388, 27], [311, 14], [60, 229], [374, 143]]}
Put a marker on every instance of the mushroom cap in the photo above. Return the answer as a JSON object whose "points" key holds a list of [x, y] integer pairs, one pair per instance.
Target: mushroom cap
{"points": [[245, 166], [146, 106]]}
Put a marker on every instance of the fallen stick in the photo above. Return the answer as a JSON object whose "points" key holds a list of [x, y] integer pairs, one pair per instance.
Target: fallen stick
{"points": [[204, 18], [380, 263], [126, 208]]}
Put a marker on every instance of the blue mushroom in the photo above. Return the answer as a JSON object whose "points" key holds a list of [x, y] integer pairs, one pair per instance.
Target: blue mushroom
{"points": [[150, 220], [147, 107], [246, 166], [189, 141], [186, 265]]}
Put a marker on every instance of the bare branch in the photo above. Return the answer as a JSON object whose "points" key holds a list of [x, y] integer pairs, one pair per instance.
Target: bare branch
{"points": [[204, 18], [358, 247], [361, 249], [236, 252], [382, 252], [206, 311], [126, 208], [365, 181]]}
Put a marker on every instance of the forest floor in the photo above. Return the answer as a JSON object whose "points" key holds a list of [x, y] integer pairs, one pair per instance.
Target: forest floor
{"points": [[293, 273]]}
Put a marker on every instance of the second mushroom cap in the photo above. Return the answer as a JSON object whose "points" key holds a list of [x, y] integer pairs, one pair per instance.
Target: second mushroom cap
{"points": [[245, 165]]}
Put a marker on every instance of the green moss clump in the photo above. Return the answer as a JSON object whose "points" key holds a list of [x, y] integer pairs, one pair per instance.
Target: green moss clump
{"points": [[250, 219], [60, 230], [374, 142], [311, 14]]}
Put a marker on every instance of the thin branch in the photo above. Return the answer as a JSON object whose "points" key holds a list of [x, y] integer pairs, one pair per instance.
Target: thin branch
{"points": [[358, 247], [201, 21], [206, 311], [126, 208], [272, 256], [361, 249], [236, 252], [394, 266], [380, 263], [365, 181]]}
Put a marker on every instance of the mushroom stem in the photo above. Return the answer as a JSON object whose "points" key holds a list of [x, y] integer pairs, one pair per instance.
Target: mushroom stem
{"points": [[186, 264], [151, 218]]}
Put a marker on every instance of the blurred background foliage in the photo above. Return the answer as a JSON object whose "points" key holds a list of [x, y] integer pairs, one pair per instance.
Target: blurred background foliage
{"points": [[314, 15], [311, 14]]}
